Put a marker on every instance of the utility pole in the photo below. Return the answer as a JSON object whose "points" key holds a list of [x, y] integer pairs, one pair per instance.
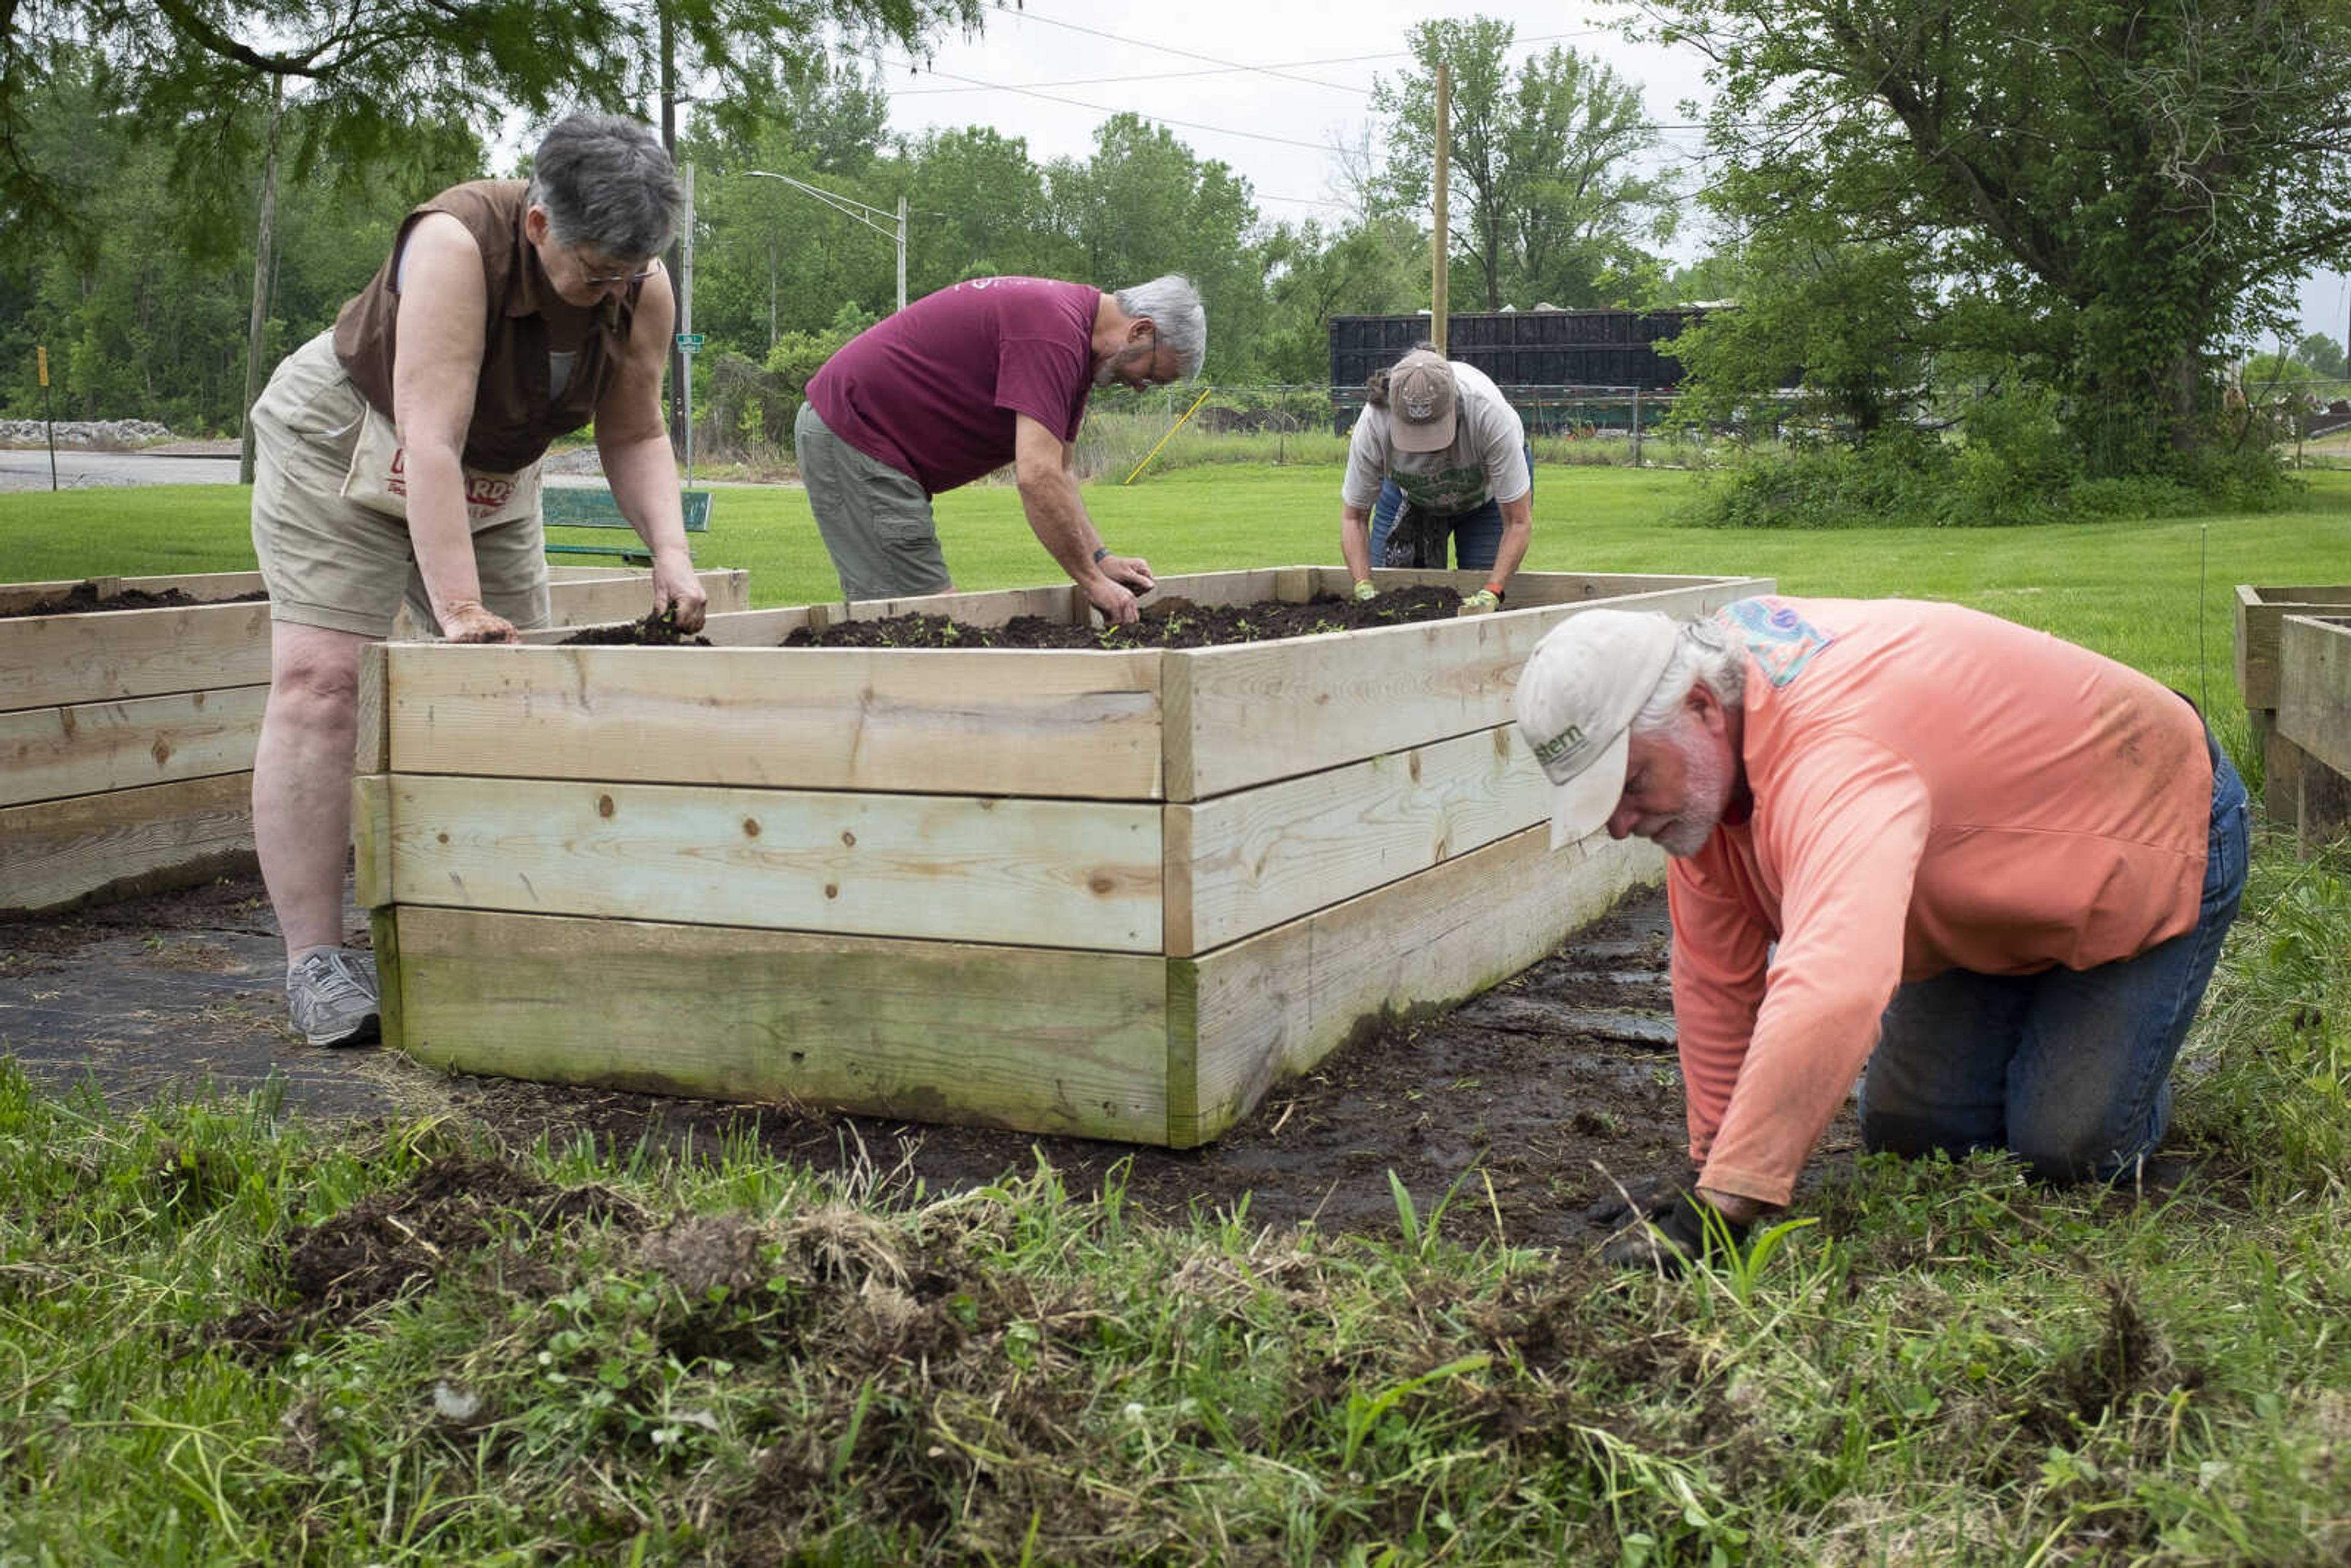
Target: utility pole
{"points": [[681, 347], [678, 435], [1438, 245], [850, 206], [264, 252]]}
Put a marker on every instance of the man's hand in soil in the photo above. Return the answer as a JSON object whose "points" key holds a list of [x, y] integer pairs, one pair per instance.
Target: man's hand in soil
{"points": [[1364, 591], [675, 588], [467, 621], [1128, 571], [1116, 605], [1642, 1198], [1485, 601], [1688, 1225]]}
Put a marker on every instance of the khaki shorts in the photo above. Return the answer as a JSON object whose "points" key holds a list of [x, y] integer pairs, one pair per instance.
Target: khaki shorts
{"points": [[876, 521], [347, 568]]}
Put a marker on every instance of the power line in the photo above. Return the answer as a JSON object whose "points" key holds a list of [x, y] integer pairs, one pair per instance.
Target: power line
{"points": [[1276, 68], [1188, 54], [1103, 109]]}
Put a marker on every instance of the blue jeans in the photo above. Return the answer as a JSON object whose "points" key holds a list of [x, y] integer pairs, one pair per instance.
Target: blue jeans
{"points": [[1477, 533], [2070, 1070]]}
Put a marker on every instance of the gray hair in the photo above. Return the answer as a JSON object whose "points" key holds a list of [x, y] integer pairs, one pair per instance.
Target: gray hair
{"points": [[606, 182], [1704, 651], [1173, 307]]}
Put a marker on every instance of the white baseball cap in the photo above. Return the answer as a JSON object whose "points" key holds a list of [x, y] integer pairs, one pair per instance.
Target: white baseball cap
{"points": [[1575, 699]]}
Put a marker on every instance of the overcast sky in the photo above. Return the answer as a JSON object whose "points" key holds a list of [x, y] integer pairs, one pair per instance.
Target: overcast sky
{"points": [[1054, 69]]}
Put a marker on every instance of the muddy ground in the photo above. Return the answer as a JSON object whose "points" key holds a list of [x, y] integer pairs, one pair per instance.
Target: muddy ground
{"points": [[1534, 1087]]}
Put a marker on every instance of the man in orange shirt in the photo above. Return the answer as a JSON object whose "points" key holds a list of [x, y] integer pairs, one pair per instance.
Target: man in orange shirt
{"points": [[1990, 866]]}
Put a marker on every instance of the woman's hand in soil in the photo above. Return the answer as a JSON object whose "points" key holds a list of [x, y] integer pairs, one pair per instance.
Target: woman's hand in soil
{"points": [[1128, 571], [1116, 605], [467, 620], [675, 588]]}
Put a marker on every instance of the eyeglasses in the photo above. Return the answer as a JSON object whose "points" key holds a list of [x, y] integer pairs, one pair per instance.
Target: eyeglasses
{"points": [[594, 281]]}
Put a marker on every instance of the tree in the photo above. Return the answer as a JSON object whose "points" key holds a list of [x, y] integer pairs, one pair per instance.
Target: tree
{"points": [[1378, 267], [1548, 202], [1143, 205], [2103, 198], [2322, 354]]}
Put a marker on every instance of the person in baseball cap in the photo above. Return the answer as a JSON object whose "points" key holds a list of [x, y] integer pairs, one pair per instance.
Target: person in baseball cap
{"points": [[1576, 699], [1992, 868], [1438, 474], [1422, 404]]}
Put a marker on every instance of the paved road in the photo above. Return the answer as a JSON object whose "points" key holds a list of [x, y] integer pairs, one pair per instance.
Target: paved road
{"points": [[29, 469]]}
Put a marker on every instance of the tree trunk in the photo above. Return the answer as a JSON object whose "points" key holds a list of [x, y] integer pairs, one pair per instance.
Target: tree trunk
{"points": [[265, 271]]}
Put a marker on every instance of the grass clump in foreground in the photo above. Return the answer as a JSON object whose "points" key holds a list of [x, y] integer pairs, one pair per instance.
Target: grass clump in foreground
{"points": [[230, 1339]]}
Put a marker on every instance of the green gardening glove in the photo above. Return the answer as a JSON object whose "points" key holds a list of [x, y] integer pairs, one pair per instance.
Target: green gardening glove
{"points": [[1364, 591], [1480, 603]]}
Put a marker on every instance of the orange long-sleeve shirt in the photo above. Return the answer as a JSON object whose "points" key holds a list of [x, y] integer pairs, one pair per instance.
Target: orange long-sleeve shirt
{"points": [[1934, 789]]}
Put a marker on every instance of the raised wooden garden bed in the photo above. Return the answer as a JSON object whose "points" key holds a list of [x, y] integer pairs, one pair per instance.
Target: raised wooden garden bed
{"points": [[127, 736], [2261, 612], [1112, 893], [2314, 718]]}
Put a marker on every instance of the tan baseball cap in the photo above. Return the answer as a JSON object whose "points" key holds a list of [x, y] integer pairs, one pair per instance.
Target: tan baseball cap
{"points": [[1421, 403], [1576, 700]]}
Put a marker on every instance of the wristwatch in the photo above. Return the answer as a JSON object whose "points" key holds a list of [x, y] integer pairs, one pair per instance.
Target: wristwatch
{"points": [[1099, 551]]}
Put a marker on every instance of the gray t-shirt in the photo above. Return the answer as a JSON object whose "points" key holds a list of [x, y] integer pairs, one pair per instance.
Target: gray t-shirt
{"points": [[1488, 457]]}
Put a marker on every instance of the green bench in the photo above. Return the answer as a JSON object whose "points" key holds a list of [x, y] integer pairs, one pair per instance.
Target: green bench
{"points": [[571, 507]]}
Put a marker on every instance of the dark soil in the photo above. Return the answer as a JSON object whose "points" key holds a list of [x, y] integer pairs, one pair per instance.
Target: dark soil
{"points": [[1171, 623], [657, 629], [82, 598], [1567, 1067]]}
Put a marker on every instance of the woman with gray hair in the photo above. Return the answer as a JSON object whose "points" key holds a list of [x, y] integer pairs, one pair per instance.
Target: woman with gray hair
{"points": [[397, 453]]}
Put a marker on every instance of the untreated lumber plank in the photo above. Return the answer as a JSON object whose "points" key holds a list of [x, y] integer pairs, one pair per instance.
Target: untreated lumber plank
{"points": [[1067, 874], [105, 655], [1033, 1039], [59, 852], [989, 721], [2314, 708], [50, 753], [1244, 1017], [204, 585], [1246, 715], [2261, 611], [1058, 602], [372, 846], [1254, 858], [1528, 589]]}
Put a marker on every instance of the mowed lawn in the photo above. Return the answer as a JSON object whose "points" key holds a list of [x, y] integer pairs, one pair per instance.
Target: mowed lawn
{"points": [[2156, 594]]}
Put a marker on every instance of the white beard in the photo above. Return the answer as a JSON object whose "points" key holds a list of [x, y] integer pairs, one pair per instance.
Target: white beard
{"points": [[1708, 778]]}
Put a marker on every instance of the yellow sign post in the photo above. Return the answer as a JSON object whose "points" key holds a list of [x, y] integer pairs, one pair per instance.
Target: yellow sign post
{"points": [[41, 363]]}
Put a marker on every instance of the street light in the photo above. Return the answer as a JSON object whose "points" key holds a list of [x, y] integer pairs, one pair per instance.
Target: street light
{"points": [[852, 208]]}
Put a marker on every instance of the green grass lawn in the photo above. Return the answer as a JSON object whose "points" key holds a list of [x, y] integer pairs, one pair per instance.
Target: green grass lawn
{"points": [[2157, 595], [722, 1360]]}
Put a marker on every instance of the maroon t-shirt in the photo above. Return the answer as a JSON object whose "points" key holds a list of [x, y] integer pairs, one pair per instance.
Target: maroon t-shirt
{"points": [[933, 390]]}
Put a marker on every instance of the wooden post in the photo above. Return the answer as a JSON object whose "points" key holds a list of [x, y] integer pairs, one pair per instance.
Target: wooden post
{"points": [[1439, 245]]}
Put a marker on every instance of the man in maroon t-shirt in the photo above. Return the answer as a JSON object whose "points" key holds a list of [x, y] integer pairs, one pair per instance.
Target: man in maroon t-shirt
{"points": [[987, 371]]}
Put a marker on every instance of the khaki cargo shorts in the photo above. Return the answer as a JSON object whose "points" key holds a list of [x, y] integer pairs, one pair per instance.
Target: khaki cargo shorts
{"points": [[330, 563], [876, 521]]}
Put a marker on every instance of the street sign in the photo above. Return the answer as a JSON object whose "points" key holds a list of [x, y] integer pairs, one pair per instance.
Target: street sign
{"points": [[689, 342], [41, 357]]}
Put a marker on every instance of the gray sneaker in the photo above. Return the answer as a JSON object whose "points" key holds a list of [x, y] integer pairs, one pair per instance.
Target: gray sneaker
{"points": [[332, 995]]}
